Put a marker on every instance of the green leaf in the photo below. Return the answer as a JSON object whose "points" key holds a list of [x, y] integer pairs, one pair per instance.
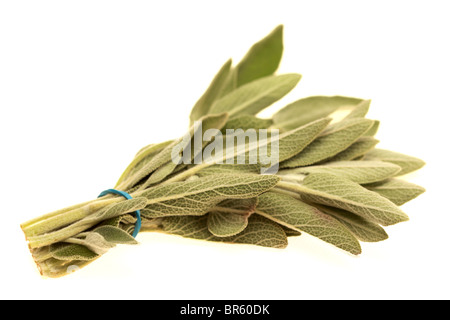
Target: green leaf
{"points": [[230, 217], [142, 157], [331, 190], [255, 96], [309, 109], [360, 110], [203, 105], [230, 83], [115, 222], [295, 141], [247, 121], [262, 59], [396, 190], [115, 235], [198, 196], [363, 229], [260, 231], [229, 168], [333, 140], [161, 173], [357, 171], [374, 129], [407, 163], [225, 224], [242, 206], [357, 149], [216, 121], [300, 216], [96, 243], [68, 251], [289, 143]]}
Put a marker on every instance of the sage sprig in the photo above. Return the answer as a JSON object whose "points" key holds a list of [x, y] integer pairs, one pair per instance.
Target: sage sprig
{"points": [[318, 175]]}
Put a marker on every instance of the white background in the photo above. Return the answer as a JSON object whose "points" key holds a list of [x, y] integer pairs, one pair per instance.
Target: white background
{"points": [[86, 84]]}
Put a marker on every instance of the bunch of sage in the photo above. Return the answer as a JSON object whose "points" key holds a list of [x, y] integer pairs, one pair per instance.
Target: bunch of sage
{"points": [[330, 180]]}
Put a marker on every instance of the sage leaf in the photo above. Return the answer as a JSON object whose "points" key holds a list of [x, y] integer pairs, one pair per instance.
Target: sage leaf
{"points": [[289, 143], [142, 157], [295, 141], [225, 224], [332, 141], [63, 251], [203, 105], [244, 207], [115, 235], [309, 109], [198, 196], [256, 96], [230, 217], [262, 59], [96, 243], [373, 129], [230, 83], [247, 121], [229, 168], [357, 171], [332, 190], [407, 163], [216, 121], [362, 229], [260, 231], [300, 216], [360, 110], [115, 222], [161, 173], [359, 148], [396, 190]]}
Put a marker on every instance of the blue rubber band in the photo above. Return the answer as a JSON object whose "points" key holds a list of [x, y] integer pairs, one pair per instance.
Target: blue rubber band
{"points": [[138, 224]]}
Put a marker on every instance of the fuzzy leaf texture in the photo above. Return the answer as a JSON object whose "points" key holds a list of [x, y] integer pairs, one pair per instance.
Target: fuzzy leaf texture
{"points": [[256, 96], [335, 191], [309, 109], [335, 139], [300, 216], [230, 217], [357, 171], [260, 231], [198, 196]]}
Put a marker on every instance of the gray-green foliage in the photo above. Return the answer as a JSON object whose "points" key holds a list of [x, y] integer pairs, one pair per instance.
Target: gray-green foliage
{"points": [[335, 191], [309, 109], [255, 96], [298, 215], [205, 102], [200, 195], [332, 141], [259, 231], [230, 217], [357, 171], [405, 162], [396, 190], [332, 183]]}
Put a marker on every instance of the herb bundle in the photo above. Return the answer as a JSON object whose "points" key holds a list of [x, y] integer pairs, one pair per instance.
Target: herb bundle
{"points": [[331, 180]]}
